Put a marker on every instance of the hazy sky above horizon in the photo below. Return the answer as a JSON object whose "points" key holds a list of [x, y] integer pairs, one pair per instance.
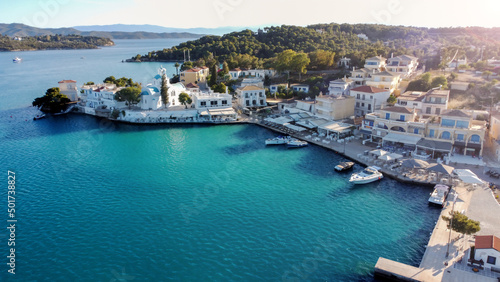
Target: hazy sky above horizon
{"points": [[218, 13]]}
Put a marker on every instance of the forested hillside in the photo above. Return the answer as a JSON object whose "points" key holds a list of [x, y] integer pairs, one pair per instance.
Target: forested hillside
{"points": [[53, 42]]}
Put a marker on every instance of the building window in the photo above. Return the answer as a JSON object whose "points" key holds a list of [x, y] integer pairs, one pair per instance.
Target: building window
{"points": [[491, 260], [448, 122], [402, 117], [387, 116], [460, 137], [224, 102], [428, 110], [369, 107], [475, 138], [363, 96], [446, 135], [438, 111], [357, 104], [431, 133], [213, 103], [462, 124], [371, 97], [203, 103], [248, 103], [246, 95], [358, 96], [262, 102], [415, 130], [363, 105]]}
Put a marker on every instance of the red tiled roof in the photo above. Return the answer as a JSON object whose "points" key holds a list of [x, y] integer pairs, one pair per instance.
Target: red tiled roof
{"points": [[488, 242], [368, 89], [236, 69], [67, 81], [196, 69]]}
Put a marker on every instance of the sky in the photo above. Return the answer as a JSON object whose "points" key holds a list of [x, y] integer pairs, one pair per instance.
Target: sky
{"points": [[219, 13]]}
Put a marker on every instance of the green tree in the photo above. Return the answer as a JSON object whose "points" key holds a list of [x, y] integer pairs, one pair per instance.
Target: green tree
{"points": [[284, 60], [487, 74], [219, 88], [462, 224], [164, 90], [321, 59], [177, 68], [110, 79], [421, 84], [299, 63], [213, 76], [481, 65], [186, 66], [53, 101], [463, 67], [131, 95], [90, 83], [184, 99], [452, 76], [391, 100], [439, 81]]}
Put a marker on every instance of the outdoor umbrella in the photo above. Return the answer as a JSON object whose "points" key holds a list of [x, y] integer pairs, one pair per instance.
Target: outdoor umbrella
{"points": [[378, 152], [386, 158], [414, 163], [441, 168]]}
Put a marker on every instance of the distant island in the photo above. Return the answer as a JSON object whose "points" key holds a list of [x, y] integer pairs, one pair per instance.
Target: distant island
{"points": [[22, 30], [54, 42]]}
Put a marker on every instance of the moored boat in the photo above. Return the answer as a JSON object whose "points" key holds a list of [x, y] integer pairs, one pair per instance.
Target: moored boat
{"points": [[368, 175], [296, 143], [17, 60], [280, 140], [343, 166], [39, 117], [438, 196]]}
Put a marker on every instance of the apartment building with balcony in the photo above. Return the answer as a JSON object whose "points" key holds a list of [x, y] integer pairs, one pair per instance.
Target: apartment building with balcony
{"points": [[368, 99], [432, 102]]}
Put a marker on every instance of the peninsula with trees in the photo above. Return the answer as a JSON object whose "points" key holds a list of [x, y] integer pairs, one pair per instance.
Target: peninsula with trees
{"points": [[52, 42]]}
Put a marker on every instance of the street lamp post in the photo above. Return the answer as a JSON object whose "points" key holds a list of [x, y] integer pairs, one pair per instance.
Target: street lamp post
{"points": [[451, 224]]}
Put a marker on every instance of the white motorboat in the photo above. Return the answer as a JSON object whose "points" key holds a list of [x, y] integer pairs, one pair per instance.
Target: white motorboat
{"points": [[296, 143], [280, 140], [17, 60], [368, 175], [438, 196]]}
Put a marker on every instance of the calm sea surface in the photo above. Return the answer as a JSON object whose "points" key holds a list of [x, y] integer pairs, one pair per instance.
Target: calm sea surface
{"points": [[99, 201]]}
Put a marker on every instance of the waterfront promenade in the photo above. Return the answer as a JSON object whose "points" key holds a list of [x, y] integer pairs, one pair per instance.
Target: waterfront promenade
{"points": [[478, 204]]}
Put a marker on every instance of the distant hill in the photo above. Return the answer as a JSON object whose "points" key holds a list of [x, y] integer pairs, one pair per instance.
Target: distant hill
{"points": [[23, 30], [161, 29]]}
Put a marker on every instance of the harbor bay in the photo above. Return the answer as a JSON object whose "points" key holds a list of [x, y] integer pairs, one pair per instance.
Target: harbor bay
{"points": [[186, 202]]}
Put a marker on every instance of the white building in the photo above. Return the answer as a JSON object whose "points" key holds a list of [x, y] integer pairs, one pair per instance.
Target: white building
{"points": [[345, 62], [237, 73], [432, 102], [212, 100], [251, 96], [68, 88], [273, 88], [487, 249], [403, 65], [363, 36], [384, 80], [256, 81], [150, 98], [377, 63], [369, 99], [300, 88], [340, 86], [101, 96]]}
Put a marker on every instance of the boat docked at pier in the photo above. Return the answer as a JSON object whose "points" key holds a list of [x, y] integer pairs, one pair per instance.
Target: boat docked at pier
{"points": [[296, 143], [343, 166], [438, 196], [280, 140], [368, 175]]}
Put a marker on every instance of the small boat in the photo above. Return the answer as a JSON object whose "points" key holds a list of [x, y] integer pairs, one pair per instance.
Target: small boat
{"points": [[17, 60], [280, 140], [39, 117], [343, 166], [296, 143], [438, 196], [368, 175]]}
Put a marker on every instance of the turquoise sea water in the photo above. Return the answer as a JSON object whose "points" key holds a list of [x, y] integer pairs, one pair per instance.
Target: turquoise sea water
{"points": [[100, 201]]}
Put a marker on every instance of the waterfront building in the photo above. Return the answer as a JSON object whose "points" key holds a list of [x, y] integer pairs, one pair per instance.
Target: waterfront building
{"points": [[335, 107], [393, 125], [150, 98], [251, 96], [340, 86], [214, 106], [100, 96], [375, 63], [459, 129], [487, 249], [306, 105], [384, 80], [194, 75], [68, 88], [403, 65], [432, 102], [368, 99]]}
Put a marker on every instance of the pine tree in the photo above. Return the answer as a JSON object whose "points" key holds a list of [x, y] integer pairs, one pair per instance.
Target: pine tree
{"points": [[164, 90]]}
